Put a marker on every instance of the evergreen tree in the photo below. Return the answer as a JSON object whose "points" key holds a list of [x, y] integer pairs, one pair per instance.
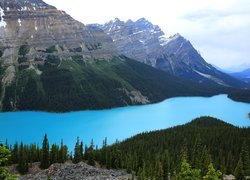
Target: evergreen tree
{"points": [[212, 174], [4, 156], [245, 156], [104, 152], [14, 154], [206, 160], [229, 164], [45, 153], [166, 164], [62, 157], [116, 156], [54, 154], [187, 173], [23, 165], [158, 171], [197, 153], [81, 150], [77, 152], [38, 153], [91, 155], [239, 172], [221, 161], [141, 174]]}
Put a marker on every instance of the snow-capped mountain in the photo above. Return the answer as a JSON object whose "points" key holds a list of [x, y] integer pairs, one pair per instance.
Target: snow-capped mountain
{"points": [[51, 62], [147, 43]]}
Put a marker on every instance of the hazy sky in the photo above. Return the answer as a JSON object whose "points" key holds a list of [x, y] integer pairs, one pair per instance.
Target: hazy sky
{"points": [[218, 29]]}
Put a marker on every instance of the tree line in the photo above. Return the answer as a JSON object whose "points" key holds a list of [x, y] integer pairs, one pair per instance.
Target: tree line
{"points": [[201, 149]]}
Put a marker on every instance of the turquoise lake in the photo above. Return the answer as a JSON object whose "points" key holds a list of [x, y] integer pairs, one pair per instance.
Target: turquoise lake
{"points": [[118, 123]]}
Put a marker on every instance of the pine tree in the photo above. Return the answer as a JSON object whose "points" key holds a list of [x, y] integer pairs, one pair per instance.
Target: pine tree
{"points": [[183, 155], [62, 157], [81, 150], [212, 174], [206, 160], [77, 152], [245, 156], [221, 162], [14, 154], [4, 156], [239, 172], [104, 152], [116, 156], [197, 153], [91, 155], [45, 154], [54, 154], [141, 174], [33, 154], [109, 157], [166, 164], [229, 164], [158, 170], [187, 173], [23, 166]]}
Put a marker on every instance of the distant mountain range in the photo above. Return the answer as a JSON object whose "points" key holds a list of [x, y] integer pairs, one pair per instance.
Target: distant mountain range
{"points": [[51, 62], [147, 43], [243, 75]]}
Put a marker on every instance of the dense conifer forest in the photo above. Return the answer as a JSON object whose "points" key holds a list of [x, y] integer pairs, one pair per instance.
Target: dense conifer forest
{"points": [[205, 148], [98, 85]]}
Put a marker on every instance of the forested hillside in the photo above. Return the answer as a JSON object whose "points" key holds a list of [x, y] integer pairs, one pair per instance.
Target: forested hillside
{"points": [[201, 142], [193, 147]]}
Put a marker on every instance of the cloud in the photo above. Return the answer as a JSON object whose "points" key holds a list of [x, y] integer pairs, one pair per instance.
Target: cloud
{"points": [[219, 29]]}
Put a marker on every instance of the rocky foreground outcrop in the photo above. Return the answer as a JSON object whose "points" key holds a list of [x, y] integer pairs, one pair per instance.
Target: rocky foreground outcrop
{"points": [[75, 171]]}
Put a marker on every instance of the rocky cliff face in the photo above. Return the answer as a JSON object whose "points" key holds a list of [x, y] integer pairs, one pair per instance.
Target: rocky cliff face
{"points": [[34, 36], [30, 30], [137, 40], [145, 42], [51, 62]]}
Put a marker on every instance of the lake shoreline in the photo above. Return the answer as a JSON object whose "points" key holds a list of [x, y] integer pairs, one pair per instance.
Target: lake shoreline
{"points": [[118, 123], [106, 109]]}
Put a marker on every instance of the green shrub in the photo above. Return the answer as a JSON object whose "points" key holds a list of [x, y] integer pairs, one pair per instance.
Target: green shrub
{"points": [[23, 50], [51, 49]]}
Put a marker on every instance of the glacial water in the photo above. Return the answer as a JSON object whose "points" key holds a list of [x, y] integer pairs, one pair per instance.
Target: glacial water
{"points": [[118, 123]]}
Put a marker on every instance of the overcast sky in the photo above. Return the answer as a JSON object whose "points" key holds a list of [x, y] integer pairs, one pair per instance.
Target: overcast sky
{"points": [[218, 29]]}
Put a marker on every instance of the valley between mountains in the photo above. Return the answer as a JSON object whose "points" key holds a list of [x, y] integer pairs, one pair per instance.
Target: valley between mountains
{"points": [[139, 104], [51, 62]]}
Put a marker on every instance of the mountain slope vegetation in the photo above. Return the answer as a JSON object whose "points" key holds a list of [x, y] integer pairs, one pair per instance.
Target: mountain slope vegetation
{"points": [[203, 141], [75, 85]]}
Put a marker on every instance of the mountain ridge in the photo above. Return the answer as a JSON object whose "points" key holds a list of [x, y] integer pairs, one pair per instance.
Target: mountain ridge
{"points": [[242, 75], [147, 43], [51, 62]]}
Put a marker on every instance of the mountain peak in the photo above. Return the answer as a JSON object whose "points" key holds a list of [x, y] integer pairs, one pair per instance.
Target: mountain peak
{"points": [[145, 42], [116, 20], [143, 23], [10, 4], [142, 20], [129, 21], [176, 36]]}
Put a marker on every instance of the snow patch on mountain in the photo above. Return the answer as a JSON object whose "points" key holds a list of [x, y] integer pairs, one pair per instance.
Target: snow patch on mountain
{"points": [[20, 22], [208, 76], [2, 22], [163, 40]]}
